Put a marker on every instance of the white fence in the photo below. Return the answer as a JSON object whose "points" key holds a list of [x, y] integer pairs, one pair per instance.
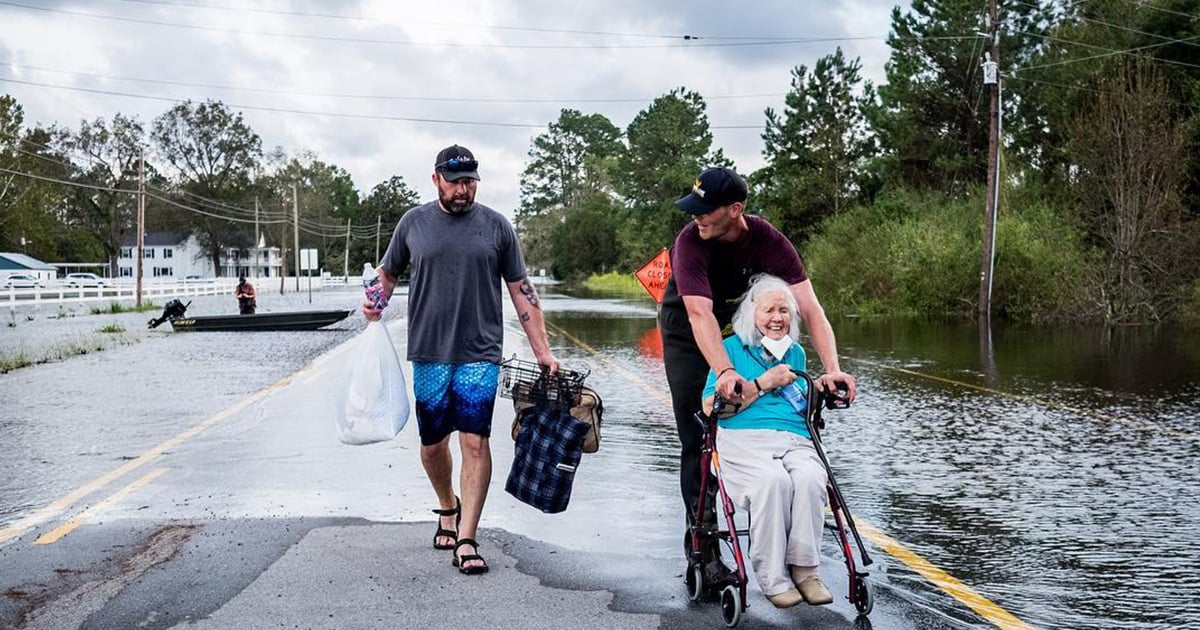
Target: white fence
{"points": [[127, 292]]}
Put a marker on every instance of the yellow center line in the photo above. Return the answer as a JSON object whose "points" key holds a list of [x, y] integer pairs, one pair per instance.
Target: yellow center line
{"points": [[981, 605], [49, 511], [1045, 404], [984, 607], [70, 524], [630, 374]]}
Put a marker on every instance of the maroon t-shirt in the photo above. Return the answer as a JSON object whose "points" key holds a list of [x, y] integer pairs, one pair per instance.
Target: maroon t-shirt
{"points": [[721, 271]]}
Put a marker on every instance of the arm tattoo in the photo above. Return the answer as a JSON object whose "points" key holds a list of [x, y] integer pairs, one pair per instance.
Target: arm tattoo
{"points": [[525, 317], [530, 293]]}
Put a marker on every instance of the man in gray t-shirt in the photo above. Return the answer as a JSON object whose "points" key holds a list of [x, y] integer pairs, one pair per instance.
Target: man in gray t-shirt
{"points": [[459, 251]]}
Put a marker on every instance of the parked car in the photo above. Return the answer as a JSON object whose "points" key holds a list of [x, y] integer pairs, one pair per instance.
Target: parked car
{"points": [[86, 280], [23, 281]]}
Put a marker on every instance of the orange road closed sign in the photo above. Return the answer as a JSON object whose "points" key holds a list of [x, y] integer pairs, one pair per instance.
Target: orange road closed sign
{"points": [[654, 275]]}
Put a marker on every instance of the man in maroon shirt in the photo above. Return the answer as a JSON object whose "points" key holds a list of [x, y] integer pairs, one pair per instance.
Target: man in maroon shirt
{"points": [[712, 261]]}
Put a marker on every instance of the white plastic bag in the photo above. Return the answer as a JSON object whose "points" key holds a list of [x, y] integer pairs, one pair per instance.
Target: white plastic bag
{"points": [[375, 395]]}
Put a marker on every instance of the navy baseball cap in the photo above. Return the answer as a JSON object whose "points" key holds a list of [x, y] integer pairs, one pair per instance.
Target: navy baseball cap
{"points": [[715, 187], [455, 162]]}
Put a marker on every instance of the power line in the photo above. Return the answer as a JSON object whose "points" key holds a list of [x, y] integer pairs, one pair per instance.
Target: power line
{"points": [[444, 99], [284, 110], [265, 215], [308, 226], [1127, 29], [1147, 5], [1110, 52], [689, 42], [456, 25]]}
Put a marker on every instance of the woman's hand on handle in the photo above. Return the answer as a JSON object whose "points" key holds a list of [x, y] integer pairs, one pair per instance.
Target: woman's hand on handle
{"points": [[779, 376]]}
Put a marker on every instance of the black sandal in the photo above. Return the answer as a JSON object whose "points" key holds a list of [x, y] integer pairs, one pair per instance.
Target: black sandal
{"points": [[442, 532], [461, 561]]}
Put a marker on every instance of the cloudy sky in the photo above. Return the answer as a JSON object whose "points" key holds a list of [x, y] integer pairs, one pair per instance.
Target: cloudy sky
{"points": [[378, 87]]}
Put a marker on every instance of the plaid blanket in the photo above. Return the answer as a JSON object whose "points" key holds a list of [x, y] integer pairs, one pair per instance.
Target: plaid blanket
{"points": [[546, 454]]}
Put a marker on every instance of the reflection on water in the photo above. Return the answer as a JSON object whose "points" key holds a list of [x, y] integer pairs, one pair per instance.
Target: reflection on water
{"points": [[1067, 494]]}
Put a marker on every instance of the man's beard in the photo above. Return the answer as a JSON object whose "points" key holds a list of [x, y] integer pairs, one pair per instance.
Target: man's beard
{"points": [[458, 204]]}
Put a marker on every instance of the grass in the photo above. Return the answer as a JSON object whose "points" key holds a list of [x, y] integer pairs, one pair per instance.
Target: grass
{"points": [[56, 353], [617, 284], [63, 351], [111, 328], [116, 307]]}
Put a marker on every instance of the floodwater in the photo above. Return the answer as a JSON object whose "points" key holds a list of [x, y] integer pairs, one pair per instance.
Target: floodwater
{"points": [[1052, 470], [1049, 470]]}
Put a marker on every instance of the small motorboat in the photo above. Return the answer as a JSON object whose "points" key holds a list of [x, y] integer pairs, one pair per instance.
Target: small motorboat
{"points": [[176, 313]]}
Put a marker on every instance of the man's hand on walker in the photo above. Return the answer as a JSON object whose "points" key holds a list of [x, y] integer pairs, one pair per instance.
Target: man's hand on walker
{"points": [[727, 384], [833, 381]]}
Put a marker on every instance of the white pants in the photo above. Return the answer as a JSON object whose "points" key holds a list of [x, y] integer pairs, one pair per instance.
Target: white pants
{"points": [[778, 478]]}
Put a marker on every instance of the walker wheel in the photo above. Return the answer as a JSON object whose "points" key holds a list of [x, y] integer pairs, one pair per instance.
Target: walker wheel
{"points": [[864, 596], [694, 579], [731, 606]]}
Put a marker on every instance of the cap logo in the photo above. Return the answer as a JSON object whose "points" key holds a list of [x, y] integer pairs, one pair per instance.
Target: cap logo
{"points": [[697, 189]]}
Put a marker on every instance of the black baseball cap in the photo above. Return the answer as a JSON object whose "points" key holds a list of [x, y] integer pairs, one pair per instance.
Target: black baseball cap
{"points": [[715, 187], [455, 162]]}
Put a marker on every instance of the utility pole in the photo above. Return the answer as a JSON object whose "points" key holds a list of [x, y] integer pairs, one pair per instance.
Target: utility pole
{"points": [[257, 238], [378, 227], [991, 80], [141, 219], [296, 233], [346, 258]]}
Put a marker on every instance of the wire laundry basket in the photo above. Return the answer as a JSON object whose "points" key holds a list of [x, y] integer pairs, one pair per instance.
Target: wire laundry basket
{"points": [[528, 382]]}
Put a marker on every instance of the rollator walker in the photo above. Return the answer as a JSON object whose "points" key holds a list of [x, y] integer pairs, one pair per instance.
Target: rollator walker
{"points": [[733, 596]]}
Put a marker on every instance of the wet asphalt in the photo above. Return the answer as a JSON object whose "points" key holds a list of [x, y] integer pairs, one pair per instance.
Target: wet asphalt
{"points": [[255, 516]]}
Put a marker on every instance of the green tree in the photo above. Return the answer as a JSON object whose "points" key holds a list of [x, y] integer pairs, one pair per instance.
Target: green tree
{"points": [[669, 143], [1048, 88], [568, 165], [36, 215], [815, 148], [112, 151], [569, 162], [327, 202], [213, 153], [1130, 156], [932, 120], [386, 203], [584, 242]]}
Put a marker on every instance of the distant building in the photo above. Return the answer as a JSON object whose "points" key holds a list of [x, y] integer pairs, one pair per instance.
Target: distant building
{"points": [[20, 263], [170, 257]]}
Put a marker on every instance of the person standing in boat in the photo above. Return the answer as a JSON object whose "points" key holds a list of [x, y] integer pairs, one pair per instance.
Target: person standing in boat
{"points": [[712, 261], [246, 297], [460, 252]]}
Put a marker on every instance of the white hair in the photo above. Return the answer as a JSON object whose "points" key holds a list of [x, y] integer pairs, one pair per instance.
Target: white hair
{"points": [[743, 319]]}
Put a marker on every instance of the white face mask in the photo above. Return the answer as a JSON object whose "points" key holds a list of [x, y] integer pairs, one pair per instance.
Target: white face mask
{"points": [[777, 347]]}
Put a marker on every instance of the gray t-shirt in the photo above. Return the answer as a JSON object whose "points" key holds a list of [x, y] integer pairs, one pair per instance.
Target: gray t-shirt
{"points": [[454, 302]]}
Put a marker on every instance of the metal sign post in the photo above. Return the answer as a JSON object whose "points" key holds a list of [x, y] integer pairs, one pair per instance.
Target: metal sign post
{"points": [[308, 262]]}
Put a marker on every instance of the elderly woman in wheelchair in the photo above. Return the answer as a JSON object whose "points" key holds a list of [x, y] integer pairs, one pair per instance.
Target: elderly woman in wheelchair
{"points": [[768, 463]]}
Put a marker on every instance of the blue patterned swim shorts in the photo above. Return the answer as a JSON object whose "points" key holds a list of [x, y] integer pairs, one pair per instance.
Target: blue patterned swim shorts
{"points": [[454, 397]]}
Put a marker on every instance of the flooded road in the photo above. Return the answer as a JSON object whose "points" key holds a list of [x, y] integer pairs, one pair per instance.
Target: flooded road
{"points": [[1051, 472]]}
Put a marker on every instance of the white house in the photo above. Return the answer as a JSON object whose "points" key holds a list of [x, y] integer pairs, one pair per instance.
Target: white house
{"points": [[11, 263], [171, 257]]}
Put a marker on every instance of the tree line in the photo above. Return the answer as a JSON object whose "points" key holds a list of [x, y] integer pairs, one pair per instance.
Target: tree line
{"points": [[66, 194], [880, 187]]}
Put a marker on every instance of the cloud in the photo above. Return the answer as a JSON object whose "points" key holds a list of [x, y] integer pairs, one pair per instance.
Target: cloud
{"points": [[341, 87]]}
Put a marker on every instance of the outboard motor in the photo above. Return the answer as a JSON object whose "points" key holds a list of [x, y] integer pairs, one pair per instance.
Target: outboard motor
{"points": [[172, 311]]}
